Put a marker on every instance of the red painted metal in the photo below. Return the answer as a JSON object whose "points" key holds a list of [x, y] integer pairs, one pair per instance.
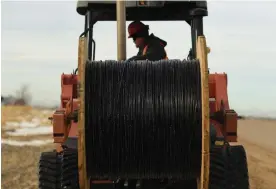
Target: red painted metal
{"points": [[218, 101]]}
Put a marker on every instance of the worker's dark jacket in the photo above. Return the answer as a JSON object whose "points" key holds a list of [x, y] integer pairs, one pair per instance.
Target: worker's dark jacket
{"points": [[154, 50]]}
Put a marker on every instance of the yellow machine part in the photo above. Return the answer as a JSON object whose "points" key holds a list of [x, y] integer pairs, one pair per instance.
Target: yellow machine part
{"points": [[202, 51], [82, 57]]}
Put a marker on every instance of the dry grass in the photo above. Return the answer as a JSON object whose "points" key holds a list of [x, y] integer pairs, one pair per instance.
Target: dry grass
{"points": [[20, 115], [23, 138], [19, 166], [24, 113]]}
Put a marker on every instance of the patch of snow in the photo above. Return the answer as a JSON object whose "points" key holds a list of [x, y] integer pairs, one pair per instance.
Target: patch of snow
{"points": [[28, 124], [48, 111], [32, 131], [12, 124], [45, 120], [36, 120], [23, 124], [26, 143]]}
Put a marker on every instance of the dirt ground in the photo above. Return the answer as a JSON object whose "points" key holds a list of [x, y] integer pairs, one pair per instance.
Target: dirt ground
{"points": [[258, 138], [19, 164]]}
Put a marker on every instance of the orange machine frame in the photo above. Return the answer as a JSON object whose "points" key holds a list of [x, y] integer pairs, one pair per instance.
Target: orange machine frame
{"points": [[65, 126], [222, 117]]}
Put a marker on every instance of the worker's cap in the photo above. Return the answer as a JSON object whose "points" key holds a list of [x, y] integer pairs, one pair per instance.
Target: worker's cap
{"points": [[137, 29]]}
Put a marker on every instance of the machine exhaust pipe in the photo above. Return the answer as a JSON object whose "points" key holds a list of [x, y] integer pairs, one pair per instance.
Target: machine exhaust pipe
{"points": [[121, 29]]}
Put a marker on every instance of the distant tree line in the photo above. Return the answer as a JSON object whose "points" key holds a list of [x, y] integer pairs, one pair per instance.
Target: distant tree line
{"points": [[21, 97]]}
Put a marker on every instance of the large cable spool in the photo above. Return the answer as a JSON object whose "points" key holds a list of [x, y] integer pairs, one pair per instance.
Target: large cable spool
{"points": [[143, 119]]}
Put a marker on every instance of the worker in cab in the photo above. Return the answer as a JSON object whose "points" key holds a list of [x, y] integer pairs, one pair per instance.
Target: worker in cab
{"points": [[150, 47]]}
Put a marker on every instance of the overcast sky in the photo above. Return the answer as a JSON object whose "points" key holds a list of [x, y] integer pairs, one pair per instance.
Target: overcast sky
{"points": [[39, 43]]}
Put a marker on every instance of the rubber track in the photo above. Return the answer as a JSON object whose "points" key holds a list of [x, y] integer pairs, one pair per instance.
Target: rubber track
{"points": [[218, 168], [49, 171], [238, 174], [69, 173]]}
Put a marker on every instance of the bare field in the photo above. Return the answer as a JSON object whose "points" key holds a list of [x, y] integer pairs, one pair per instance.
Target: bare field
{"points": [[25, 133], [258, 138], [19, 166], [20, 152]]}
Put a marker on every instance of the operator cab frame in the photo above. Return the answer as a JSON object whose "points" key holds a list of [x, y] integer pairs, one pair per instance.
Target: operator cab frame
{"points": [[192, 12]]}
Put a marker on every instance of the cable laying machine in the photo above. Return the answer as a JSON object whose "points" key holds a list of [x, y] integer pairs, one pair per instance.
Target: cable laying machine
{"points": [[144, 124]]}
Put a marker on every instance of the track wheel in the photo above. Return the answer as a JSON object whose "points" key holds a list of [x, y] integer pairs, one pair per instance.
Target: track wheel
{"points": [[69, 173], [49, 171], [218, 168], [238, 171]]}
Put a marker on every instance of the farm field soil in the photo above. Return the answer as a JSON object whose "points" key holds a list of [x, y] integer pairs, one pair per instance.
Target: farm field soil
{"points": [[258, 138]]}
